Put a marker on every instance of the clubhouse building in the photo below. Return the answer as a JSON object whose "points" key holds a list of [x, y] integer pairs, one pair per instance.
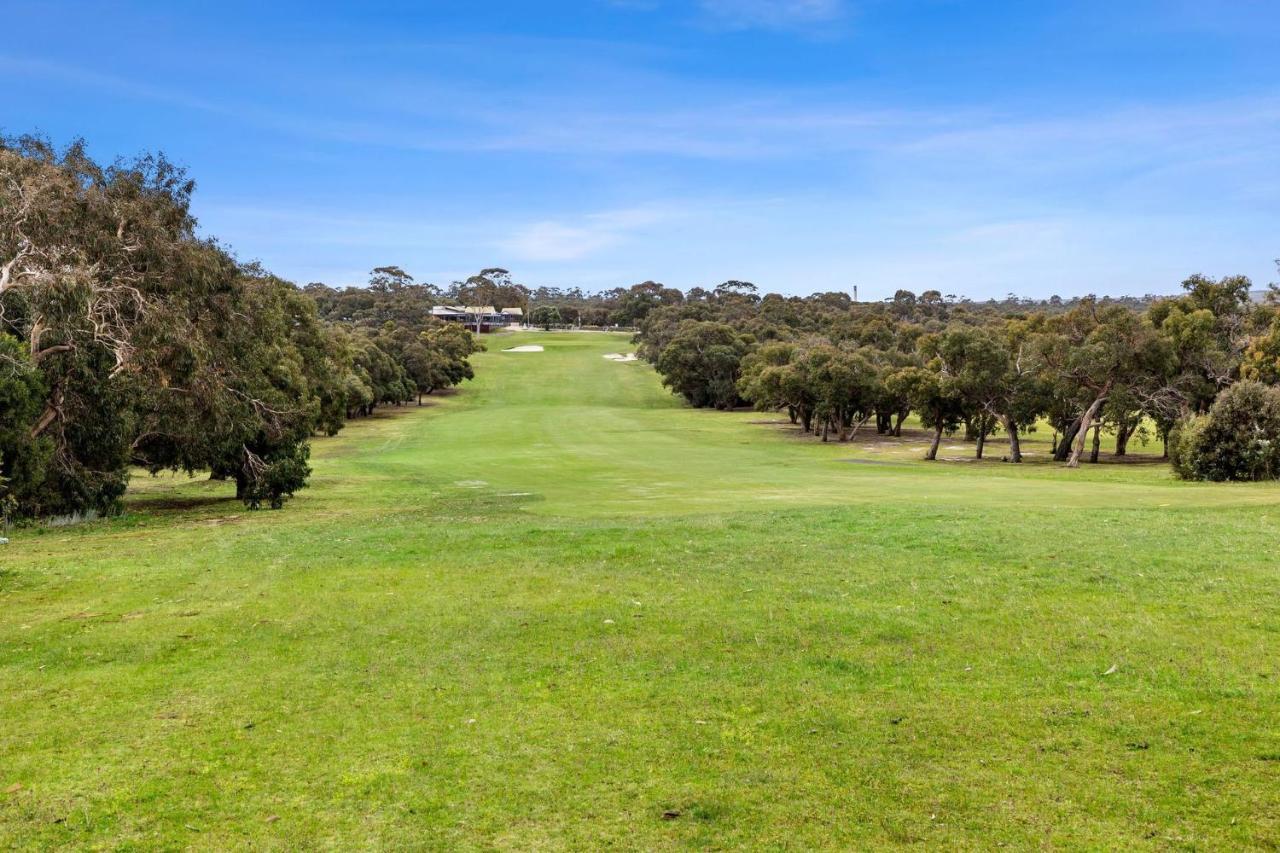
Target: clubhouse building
{"points": [[479, 318]]}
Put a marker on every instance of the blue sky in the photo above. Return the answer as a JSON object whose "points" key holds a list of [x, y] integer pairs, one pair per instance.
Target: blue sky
{"points": [[979, 148]]}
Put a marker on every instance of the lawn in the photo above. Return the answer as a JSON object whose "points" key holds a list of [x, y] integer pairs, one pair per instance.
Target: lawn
{"points": [[558, 610]]}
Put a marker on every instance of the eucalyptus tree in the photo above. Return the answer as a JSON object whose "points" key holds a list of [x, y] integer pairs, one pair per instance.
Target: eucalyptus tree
{"points": [[844, 385], [937, 405], [973, 369], [637, 301], [702, 363], [1091, 351], [768, 381], [87, 255]]}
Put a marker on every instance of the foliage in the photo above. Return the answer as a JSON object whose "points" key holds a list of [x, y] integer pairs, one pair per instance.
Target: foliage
{"points": [[1086, 366], [1239, 439], [702, 363], [126, 340], [546, 316]]}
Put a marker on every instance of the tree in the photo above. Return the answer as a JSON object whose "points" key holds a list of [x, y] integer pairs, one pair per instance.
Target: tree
{"points": [[938, 408], [449, 348], [702, 363], [87, 255], [740, 290], [974, 369], [765, 379], [492, 286], [1239, 439], [636, 303], [388, 279], [840, 385], [236, 399], [22, 395], [546, 316], [126, 340], [1089, 352]]}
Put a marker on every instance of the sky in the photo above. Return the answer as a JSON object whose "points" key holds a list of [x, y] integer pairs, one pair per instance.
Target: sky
{"points": [[978, 148]]}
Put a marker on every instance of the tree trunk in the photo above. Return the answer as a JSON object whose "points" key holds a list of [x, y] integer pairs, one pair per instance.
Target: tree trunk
{"points": [[1086, 421], [791, 413], [897, 427], [826, 427], [1015, 446], [982, 439], [970, 433], [932, 455], [1063, 450], [1097, 443], [1123, 431]]}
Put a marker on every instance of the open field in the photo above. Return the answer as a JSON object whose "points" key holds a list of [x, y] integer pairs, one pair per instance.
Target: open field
{"points": [[550, 608]]}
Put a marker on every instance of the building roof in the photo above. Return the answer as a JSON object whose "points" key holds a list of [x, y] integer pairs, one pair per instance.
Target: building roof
{"points": [[472, 310]]}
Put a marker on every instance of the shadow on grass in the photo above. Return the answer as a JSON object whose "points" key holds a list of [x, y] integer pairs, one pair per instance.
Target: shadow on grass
{"points": [[177, 504]]}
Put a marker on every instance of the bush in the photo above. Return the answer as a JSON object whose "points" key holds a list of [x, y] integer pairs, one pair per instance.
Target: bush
{"points": [[1184, 442], [278, 478], [1238, 440]]}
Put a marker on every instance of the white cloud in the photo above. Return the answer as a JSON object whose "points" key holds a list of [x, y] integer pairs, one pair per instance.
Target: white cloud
{"points": [[550, 240], [555, 241], [774, 14]]}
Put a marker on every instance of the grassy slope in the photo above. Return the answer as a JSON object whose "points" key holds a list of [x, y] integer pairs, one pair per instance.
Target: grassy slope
{"points": [[547, 609]]}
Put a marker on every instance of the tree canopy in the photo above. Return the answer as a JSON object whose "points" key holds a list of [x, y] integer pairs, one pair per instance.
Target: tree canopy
{"points": [[126, 340]]}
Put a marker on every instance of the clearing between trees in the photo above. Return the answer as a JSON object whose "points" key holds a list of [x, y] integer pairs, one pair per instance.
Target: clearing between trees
{"points": [[560, 609]]}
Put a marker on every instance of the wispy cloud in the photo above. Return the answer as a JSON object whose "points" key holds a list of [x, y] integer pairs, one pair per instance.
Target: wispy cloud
{"points": [[555, 240], [794, 15], [726, 123]]}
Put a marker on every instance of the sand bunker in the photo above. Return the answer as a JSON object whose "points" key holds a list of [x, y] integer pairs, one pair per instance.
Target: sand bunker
{"points": [[525, 348], [617, 356]]}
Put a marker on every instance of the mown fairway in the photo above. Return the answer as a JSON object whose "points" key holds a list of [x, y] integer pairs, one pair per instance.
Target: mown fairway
{"points": [[547, 609]]}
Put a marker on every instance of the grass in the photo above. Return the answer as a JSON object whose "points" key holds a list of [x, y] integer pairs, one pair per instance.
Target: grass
{"points": [[552, 608]]}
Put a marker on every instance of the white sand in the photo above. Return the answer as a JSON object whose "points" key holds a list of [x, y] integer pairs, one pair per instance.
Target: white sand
{"points": [[525, 348], [617, 356]]}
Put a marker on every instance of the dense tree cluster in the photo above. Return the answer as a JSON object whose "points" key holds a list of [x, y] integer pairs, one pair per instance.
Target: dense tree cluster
{"points": [[128, 341], [627, 307], [1121, 366]]}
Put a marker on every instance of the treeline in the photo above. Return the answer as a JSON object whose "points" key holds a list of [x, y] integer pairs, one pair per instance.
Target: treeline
{"points": [[627, 306], [128, 341], [1086, 368]]}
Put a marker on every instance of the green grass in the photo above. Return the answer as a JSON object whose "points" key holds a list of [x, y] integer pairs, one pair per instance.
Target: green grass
{"points": [[543, 611]]}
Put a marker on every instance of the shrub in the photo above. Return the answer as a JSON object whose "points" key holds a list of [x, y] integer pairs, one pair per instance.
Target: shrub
{"points": [[1238, 440], [1185, 441]]}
